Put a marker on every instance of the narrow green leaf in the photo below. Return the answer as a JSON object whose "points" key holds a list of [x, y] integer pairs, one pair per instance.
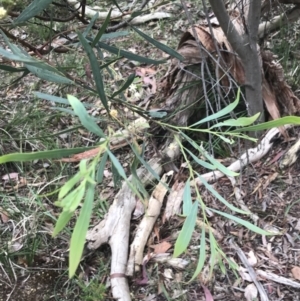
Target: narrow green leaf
{"points": [[26, 72], [222, 112], [114, 35], [64, 190], [117, 164], [57, 99], [213, 252], [243, 223], [16, 57], [14, 48], [66, 202], [11, 69], [159, 45], [157, 114], [270, 124], [220, 198], [202, 255], [49, 154], [85, 119], [201, 162], [187, 199], [242, 121], [186, 232], [80, 230], [53, 98], [95, 70], [127, 83], [63, 219], [102, 29], [117, 179], [220, 166], [91, 24], [48, 75], [136, 14], [101, 167], [32, 10], [133, 168], [129, 55], [77, 198], [145, 163]]}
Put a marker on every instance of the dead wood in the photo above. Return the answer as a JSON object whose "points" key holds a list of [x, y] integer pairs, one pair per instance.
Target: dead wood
{"points": [[114, 230], [146, 225]]}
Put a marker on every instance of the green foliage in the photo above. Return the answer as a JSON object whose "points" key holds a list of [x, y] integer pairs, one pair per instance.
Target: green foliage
{"points": [[76, 196]]}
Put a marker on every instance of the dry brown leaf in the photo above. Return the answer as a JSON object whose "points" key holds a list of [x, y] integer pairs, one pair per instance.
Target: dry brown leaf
{"points": [[162, 247], [296, 272]]}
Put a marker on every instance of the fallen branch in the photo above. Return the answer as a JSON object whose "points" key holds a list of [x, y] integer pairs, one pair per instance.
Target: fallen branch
{"points": [[116, 14], [289, 16], [114, 229], [146, 225], [252, 273], [250, 156]]}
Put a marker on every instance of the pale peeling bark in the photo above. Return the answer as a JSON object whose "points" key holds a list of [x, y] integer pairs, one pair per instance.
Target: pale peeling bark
{"points": [[146, 225]]}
